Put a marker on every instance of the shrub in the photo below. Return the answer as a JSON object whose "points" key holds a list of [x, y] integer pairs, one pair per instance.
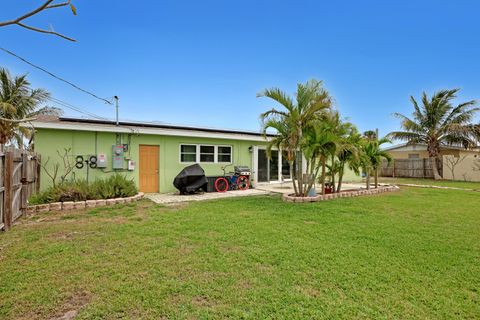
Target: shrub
{"points": [[115, 186]]}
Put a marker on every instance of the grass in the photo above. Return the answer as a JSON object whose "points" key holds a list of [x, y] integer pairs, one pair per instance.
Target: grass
{"points": [[413, 254], [441, 183]]}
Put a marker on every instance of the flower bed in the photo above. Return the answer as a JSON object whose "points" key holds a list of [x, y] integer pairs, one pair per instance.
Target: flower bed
{"points": [[343, 194], [72, 205]]}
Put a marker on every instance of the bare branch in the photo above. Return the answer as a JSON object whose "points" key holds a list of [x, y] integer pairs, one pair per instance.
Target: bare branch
{"points": [[46, 5], [58, 5], [46, 31], [27, 15]]}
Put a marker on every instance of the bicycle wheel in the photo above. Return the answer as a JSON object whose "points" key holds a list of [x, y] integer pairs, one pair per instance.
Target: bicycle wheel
{"points": [[221, 184], [242, 183]]}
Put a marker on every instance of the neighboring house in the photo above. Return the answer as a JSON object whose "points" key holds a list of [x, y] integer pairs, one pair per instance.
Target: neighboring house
{"points": [[419, 151], [457, 163]]}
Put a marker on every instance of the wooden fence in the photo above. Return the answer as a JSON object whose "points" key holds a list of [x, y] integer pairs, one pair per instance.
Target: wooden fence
{"points": [[409, 168], [19, 178]]}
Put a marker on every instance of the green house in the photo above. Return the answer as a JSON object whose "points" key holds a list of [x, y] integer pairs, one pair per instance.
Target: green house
{"points": [[152, 154]]}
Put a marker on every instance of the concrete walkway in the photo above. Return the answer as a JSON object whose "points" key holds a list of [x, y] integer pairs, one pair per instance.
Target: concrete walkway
{"points": [[261, 189], [434, 187], [170, 198], [287, 187]]}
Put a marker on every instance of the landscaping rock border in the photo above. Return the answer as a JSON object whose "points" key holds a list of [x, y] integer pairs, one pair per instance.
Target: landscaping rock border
{"points": [[70, 205], [343, 194]]}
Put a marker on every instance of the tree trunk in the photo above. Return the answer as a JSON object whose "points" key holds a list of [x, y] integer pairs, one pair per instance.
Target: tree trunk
{"points": [[340, 176], [299, 178], [324, 165], [293, 179], [376, 178], [333, 174], [433, 149], [311, 176], [436, 174], [368, 180]]}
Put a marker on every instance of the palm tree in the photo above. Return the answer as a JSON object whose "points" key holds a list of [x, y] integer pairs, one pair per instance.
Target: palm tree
{"points": [[319, 143], [373, 155], [349, 152], [310, 100], [437, 123], [19, 104], [284, 140], [346, 150]]}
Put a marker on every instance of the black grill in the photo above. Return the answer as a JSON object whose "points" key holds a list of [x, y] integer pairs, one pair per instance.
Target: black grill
{"points": [[242, 170]]}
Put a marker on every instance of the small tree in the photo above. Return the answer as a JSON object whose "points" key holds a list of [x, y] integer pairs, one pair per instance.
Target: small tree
{"points": [[52, 171], [451, 162], [373, 156]]}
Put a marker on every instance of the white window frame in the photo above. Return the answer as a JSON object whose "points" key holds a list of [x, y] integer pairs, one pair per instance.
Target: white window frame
{"points": [[223, 146], [197, 153], [180, 152]]}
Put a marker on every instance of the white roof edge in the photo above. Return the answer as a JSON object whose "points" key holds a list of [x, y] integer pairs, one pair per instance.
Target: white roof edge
{"points": [[397, 146], [402, 145], [145, 130]]}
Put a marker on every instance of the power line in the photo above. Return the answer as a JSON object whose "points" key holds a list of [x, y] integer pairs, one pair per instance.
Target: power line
{"points": [[56, 77], [80, 110], [75, 108]]}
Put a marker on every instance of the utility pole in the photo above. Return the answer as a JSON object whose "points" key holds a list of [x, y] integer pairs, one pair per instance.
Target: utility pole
{"points": [[116, 109], [116, 119]]}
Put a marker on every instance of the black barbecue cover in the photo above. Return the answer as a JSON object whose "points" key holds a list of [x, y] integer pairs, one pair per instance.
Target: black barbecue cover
{"points": [[191, 179]]}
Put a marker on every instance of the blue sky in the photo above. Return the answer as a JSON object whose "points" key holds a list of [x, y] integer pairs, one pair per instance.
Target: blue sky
{"points": [[202, 62]]}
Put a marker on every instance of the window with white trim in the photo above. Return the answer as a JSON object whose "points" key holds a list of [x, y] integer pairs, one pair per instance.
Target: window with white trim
{"points": [[224, 154], [199, 153], [188, 153], [207, 153]]}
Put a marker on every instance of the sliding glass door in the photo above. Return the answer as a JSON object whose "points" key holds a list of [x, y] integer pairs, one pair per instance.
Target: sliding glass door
{"points": [[271, 168], [262, 170]]}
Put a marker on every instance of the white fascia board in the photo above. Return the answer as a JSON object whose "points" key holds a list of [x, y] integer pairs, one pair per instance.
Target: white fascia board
{"points": [[146, 130]]}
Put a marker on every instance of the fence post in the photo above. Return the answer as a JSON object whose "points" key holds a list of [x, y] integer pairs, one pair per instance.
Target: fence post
{"points": [[24, 180], [37, 177], [424, 168], [7, 203]]}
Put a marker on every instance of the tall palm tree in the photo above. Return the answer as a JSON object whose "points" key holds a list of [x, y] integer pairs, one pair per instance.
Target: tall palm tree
{"points": [[373, 155], [437, 122], [19, 104], [310, 100]]}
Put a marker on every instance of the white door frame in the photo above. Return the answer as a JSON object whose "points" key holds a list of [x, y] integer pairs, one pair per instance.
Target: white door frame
{"points": [[255, 164]]}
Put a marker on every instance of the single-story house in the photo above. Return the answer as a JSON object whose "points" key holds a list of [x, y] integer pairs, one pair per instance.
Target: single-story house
{"points": [[152, 154], [457, 163], [419, 151]]}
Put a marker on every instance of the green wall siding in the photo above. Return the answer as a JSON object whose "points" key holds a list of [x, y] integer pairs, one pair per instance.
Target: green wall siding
{"points": [[49, 141]]}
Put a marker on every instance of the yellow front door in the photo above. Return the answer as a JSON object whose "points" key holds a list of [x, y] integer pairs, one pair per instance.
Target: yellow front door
{"points": [[148, 169]]}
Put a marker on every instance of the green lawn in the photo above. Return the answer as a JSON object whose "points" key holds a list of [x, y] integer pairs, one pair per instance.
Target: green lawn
{"points": [[411, 254], [441, 183]]}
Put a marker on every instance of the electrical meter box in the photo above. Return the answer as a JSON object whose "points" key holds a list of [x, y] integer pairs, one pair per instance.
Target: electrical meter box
{"points": [[118, 157], [101, 160], [131, 165]]}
